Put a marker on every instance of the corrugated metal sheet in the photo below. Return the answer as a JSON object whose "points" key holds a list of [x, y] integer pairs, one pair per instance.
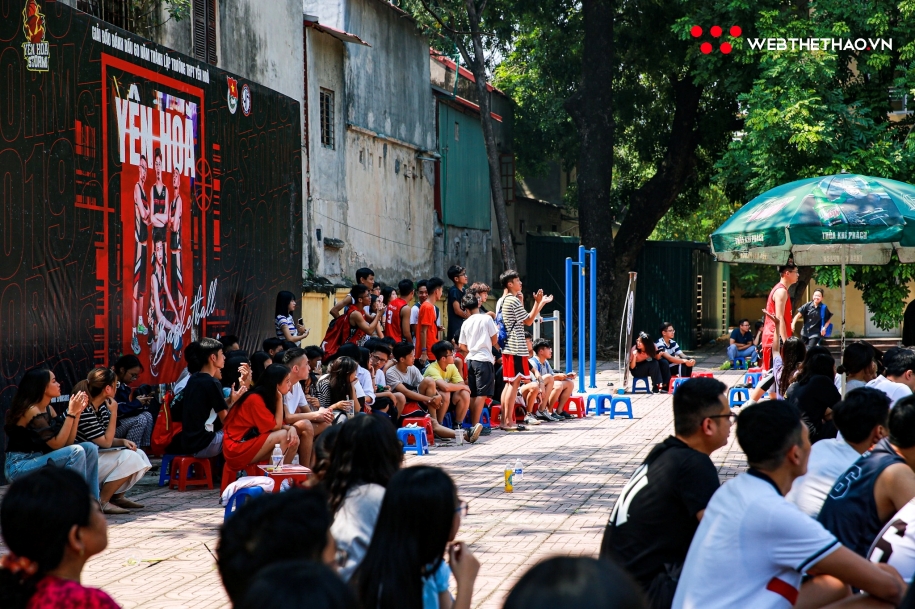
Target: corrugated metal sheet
{"points": [[464, 170]]}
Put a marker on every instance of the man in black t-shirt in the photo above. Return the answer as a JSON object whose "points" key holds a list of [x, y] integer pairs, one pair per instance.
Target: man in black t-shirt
{"points": [[201, 399], [658, 511], [456, 313]]}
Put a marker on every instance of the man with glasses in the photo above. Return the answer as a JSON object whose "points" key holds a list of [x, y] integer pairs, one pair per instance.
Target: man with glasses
{"points": [[379, 356], [672, 361], [742, 342], [779, 305], [657, 513], [456, 313]]}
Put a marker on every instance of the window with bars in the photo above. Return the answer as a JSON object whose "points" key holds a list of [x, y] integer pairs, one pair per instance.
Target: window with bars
{"points": [[327, 118], [119, 13], [204, 12], [507, 162]]}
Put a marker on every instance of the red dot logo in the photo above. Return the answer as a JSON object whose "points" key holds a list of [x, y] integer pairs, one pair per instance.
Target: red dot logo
{"points": [[716, 31], [695, 31], [726, 47], [706, 47], [735, 31]]}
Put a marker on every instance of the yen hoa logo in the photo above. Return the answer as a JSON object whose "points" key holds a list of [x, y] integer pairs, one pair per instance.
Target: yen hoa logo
{"points": [[233, 94], [716, 32], [35, 49]]}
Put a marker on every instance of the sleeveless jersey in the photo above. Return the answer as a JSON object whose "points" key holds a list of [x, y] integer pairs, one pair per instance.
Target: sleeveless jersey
{"points": [[175, 237], [159, 199], [895, 545], [769, 326], [140, 230], [850, 510], [392, 327]]}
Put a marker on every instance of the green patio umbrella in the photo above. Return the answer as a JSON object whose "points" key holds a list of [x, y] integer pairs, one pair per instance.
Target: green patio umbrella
{"points": [[831, 220]]}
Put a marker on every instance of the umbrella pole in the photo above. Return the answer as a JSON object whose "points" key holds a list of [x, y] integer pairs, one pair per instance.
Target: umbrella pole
{"points": [[843, 322]]}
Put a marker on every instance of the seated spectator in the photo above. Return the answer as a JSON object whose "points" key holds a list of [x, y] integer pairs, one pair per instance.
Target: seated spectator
{"points": [[456, 313], [119, 470], [861, 419], [643, 361], [272, 346], [379, 356], [324, 448], [427, 323], [814, 393], [858, 365], [314, 355], [255, 425], [52, 525], [764, 544], [786, 365], [876, 486], [557, 386], [38, 436], [899, 379], [229, 343], [336, 390], [397, 313], [286, 327], [757, 337], [358, 324], [741, 343], [479, 336], [300, 407], [270, 529], [671, 359], [481, 291], [364, 277], [260, 361], [201, 406], [135, 421], [660, 508], [364, 380], [575, 582], [451, 386], [532, 390], [403, 377], [298, 583], [366, 454], [237, 372], [404, 565]]}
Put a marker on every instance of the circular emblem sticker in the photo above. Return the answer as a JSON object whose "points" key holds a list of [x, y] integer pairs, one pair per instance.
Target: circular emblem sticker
{"points": [[246, 100]]}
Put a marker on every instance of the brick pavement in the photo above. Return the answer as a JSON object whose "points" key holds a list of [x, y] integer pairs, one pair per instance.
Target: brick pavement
{"points": [[160, 558]]}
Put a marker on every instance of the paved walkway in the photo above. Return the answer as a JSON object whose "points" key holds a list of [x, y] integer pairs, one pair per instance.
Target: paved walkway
{"points": [[573, 471]]}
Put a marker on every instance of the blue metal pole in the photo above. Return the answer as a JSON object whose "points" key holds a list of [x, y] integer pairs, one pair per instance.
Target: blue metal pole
{"points": [[582, 261], [593, 324], [569, 345]]}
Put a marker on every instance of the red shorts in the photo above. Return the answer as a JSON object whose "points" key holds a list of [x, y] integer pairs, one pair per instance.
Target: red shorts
{"points": [[767, 358], [515, 366]]}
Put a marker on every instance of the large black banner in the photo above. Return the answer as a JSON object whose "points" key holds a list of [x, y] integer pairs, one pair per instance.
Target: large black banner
{"points": [[146, 198]]}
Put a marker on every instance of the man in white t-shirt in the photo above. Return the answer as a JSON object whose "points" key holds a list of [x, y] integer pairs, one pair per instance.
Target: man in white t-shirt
{"points": [[753, 548], [298, 406], [479, 335], [379, 356], [899, 381], [861, 419]]}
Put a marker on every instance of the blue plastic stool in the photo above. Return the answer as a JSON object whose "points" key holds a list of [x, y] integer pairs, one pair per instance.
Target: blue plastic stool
{"points": [[239, 497], [752, 378], [420, 444], [674, 383], [484, 418], [448, 421], [165, 469], [737, 396], [742, 366], [598, 403], [635, 384], [618, 400]]}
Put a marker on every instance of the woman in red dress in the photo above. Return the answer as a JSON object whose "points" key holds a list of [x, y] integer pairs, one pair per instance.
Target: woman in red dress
{"points": [[255, 424], [52, 525]]}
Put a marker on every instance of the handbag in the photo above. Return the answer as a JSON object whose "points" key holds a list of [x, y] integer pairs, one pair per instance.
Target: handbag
{"points": [[828, 327]]}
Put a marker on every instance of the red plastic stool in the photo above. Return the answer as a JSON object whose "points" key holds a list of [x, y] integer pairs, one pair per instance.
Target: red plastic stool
{"points": [[670, 387], [707, 375], [422, 422], [756, 369], [495, 414], [229, 475], [181, 473], [578, 402]]}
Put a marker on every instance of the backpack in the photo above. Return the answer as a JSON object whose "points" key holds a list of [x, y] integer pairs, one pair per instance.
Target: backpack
{"points": [[166, 427], [339, 331], [500, 324]]}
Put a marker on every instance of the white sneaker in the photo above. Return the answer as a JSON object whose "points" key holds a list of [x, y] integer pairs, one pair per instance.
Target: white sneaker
{"points": [[531, 419]]}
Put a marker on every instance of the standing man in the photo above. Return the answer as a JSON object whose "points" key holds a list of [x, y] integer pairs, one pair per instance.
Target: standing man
{"points": [[479, 336], [515, 367], [659, 510], [426, 322], [174, 227], [141, 236], [779, 305], [422, 293], [456, 313], [816, 316], [364, 276], [397, 314]]}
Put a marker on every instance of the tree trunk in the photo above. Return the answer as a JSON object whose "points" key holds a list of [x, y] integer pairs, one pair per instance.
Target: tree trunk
{"points": [[591, 107], [478, 67], [797, 292]]}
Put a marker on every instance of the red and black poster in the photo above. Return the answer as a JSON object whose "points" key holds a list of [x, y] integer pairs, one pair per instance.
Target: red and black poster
{"points": [[146, 199]]}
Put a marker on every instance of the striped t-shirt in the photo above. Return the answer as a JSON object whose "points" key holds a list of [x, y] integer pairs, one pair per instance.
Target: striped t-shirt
{"points": [[93, 423], [513, 316], [672, 349], [287, 322]]}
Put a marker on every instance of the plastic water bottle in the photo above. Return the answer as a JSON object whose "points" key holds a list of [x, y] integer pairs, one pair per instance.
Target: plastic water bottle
{"points": [[519, 471], [277, 457], [295, 459], [459, 435]]}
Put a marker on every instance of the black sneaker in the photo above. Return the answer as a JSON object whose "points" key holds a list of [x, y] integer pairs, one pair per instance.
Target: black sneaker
{"points": [[556, 417], [655, 389], [542, 416], [565, 415]]}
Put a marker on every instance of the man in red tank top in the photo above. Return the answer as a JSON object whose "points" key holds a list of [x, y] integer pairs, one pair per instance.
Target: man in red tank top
{"points": [[779, 305], [397, 314]]}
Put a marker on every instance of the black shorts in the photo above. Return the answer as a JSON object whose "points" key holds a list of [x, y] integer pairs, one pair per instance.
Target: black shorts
{"points": [[481, 378]]}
